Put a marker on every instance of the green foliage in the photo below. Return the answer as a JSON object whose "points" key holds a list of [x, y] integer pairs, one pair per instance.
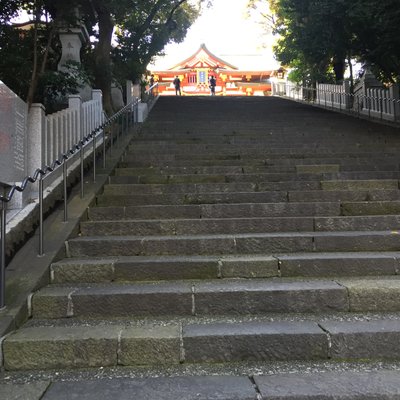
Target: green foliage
{"points": [[15, 63], [28, 59], [145, 31], [318, 37]]}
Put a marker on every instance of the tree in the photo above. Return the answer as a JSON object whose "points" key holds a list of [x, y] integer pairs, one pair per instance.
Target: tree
{"points": [[315, 33], [144, 34], [144, 27], [376, 28], [320, 37]]}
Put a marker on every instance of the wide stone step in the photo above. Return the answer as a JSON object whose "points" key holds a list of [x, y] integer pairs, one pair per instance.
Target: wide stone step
{"points": [[155, 268], [343, 170], [334, 184], [123, 187], [344, 195], [269, 150], [346, 383], [203, 298], [219, 186], [244, 210], [189, 198], [119, 344], [381, 384], [250, 243], [200, 226], [158, 268], [233, 226], [390, 163], [131, 196], [218, 297], [218, 178]]}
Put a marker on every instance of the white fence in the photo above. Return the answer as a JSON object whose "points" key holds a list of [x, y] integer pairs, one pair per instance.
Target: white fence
{"points": [[65, 128], [335, 95], [375, 102], [46, 137]]}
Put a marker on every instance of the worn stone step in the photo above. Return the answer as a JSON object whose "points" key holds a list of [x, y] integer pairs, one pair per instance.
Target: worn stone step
{"points": [[188, 170], [245, 166], [301, 190], [192, 198], [250, 243], [363, 175], [339, 264], [218, 186], [371, 208], [130, 188], [116, 344], [244, 210], [390, 184], [233, 226], [218, 297], [205, 298], [256, 243], [231, 151], [344, 195], [157, 268], [218, 178], [128, 195], [205, 226], [358, 223], [346, 385], [389, 163]]}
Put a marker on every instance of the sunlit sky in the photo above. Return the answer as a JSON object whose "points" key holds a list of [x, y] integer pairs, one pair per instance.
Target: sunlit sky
{"points": [[228, 34]]}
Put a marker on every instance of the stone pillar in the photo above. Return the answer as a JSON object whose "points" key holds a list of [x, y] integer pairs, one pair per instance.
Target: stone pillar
{"points": [[36, 150], [129, 92], [98, 95], [394, 93], [75, 103], [347, 95], [72, 40]]}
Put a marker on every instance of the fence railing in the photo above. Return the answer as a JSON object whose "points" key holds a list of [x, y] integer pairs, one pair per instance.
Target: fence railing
{"points": [[374, 103], [97, 128]]}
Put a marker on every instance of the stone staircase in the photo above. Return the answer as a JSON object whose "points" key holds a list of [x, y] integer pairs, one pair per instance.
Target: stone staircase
{"points": [[235, 231]]}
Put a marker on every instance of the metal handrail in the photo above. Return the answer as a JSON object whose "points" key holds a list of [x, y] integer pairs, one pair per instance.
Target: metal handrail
{"points": [[350, 103], [44, 172]]}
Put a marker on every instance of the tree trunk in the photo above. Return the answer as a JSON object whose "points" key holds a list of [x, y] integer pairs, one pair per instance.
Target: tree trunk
{"points": [[103, 75], [35, 75]]}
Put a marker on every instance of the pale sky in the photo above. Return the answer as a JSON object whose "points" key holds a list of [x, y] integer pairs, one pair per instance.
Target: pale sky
{"points": [[229, 35]]}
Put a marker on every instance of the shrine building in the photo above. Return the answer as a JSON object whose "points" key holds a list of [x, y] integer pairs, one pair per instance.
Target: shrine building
{"points": [[195, 72]]}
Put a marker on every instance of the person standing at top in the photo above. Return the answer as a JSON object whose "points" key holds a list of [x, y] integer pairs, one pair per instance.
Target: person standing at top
{"points": [[177, 84], [151, 83], [213, 83]]}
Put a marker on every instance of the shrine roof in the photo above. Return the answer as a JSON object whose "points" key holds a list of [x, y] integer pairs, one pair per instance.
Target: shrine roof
{"points": [[202, 58]]}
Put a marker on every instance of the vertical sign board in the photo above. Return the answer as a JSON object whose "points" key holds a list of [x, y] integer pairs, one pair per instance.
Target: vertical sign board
{"points": [[13, 128]]}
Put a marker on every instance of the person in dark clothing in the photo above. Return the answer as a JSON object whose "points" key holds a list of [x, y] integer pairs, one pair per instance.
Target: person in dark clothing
{"points": [[177, 84], [213, 83]]}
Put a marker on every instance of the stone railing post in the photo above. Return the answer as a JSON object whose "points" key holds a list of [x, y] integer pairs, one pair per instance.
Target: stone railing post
{"points": [[129, 92], [36, 142], [97, 95], [75, 103], [347, 95], [394, 95]]}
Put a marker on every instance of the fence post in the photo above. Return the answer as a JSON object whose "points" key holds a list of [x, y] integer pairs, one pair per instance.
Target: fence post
{"points": [[36, 141], [394, 92], [75, 103], [346, 89], [3, 255], [98, 96]]}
